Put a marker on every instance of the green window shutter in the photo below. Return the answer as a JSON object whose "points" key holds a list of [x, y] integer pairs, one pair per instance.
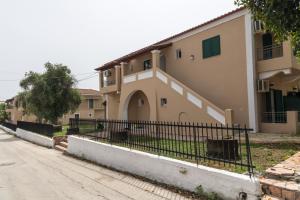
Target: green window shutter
{"points": [[206, 48], [211, 47]]}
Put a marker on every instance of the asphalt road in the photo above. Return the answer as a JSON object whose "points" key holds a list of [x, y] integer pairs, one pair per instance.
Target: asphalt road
{"points": [[31, 172]]}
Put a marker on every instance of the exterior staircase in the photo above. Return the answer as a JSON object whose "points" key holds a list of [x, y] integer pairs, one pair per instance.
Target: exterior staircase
{"points": [[61, 144], [159, 79], [282, 181]]}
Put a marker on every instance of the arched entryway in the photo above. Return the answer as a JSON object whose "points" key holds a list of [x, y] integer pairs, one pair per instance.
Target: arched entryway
{"points": [[138, 107]]}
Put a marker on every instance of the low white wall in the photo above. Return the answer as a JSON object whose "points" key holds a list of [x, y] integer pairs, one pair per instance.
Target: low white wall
{"points": [[170, 171], [7, 130], [35, 138]]}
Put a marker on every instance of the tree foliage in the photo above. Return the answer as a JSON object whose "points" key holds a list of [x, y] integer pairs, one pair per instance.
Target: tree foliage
{"points": [[281, 17], [3, 113], [49, 95]]}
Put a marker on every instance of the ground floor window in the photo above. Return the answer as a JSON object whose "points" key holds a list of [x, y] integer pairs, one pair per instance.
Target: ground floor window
{"points": [[275, 105]]}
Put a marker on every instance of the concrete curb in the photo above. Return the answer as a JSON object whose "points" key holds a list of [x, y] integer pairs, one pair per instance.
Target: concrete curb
{"points": [[9, 131]]}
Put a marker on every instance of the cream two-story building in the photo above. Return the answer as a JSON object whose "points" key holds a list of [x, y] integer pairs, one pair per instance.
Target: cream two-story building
{"points": [[91, 107], [227, 71]]}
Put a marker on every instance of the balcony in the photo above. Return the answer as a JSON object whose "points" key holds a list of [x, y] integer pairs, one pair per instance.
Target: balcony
{"points": [[269, 52], [109, 88], [110, 81], [145, 74], [275, 58]]}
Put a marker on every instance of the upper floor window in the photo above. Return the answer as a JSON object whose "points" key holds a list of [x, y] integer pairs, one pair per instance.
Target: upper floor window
{"points": [[147, 64], [211, 47], [91, 103], [178, 53]]}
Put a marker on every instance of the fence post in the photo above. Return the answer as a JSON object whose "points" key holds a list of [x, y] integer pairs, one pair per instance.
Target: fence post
{"points": [[249, 159], [195, 144], [157, 124]]}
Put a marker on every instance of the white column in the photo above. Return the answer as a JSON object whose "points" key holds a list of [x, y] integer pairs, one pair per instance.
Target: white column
{"points": [[155, 59], [251, 73], [118, 77], [123, 65]]}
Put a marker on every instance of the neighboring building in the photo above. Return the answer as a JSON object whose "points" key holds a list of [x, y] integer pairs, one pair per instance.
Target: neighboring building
{"points": [[227, 70], [91, 107], [16, 112]]}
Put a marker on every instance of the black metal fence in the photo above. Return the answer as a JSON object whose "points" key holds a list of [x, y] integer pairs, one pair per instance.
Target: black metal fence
{"points": [[207, 144], [10, 125], [42, 129]]}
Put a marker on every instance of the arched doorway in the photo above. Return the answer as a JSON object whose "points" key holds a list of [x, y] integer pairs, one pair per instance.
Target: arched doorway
{"points": [[138, 107]]}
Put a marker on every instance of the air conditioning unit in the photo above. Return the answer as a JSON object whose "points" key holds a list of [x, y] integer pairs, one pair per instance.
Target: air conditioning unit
{"points": [[258, 26], [263, 86], [107, 73]]}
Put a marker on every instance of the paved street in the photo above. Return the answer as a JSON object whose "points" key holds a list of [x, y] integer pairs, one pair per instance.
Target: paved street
{"points": [[31, 172]]}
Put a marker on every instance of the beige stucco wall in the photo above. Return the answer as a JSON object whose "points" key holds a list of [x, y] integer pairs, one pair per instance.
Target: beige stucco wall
{"points": [[214, 78], [112, 106], [17, 113], [220, 79], [178, 107], [154, 90], [84, 112]]}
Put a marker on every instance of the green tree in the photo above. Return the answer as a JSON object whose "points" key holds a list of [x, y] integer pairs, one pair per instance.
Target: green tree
{"points": [[3, 113], [280, 17], [49, 95]]}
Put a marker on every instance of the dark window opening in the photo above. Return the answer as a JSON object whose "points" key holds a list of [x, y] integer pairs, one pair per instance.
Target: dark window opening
{"points": [[147, 64], [91, 103], [178, 53], [163, 101]]}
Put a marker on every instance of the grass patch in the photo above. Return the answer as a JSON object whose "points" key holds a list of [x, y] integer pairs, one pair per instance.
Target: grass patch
{"points": [[63, 132], [268, 155]]}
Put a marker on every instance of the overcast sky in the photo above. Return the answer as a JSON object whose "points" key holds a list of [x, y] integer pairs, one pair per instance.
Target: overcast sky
{"points": [[83, 34]]}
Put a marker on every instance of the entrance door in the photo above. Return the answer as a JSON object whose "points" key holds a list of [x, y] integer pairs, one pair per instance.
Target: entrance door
{"points": [[267, 46]]}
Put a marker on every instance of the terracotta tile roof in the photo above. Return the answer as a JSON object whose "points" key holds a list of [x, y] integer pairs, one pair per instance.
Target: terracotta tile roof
{"points": [[163, 43], [90, 92]]}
